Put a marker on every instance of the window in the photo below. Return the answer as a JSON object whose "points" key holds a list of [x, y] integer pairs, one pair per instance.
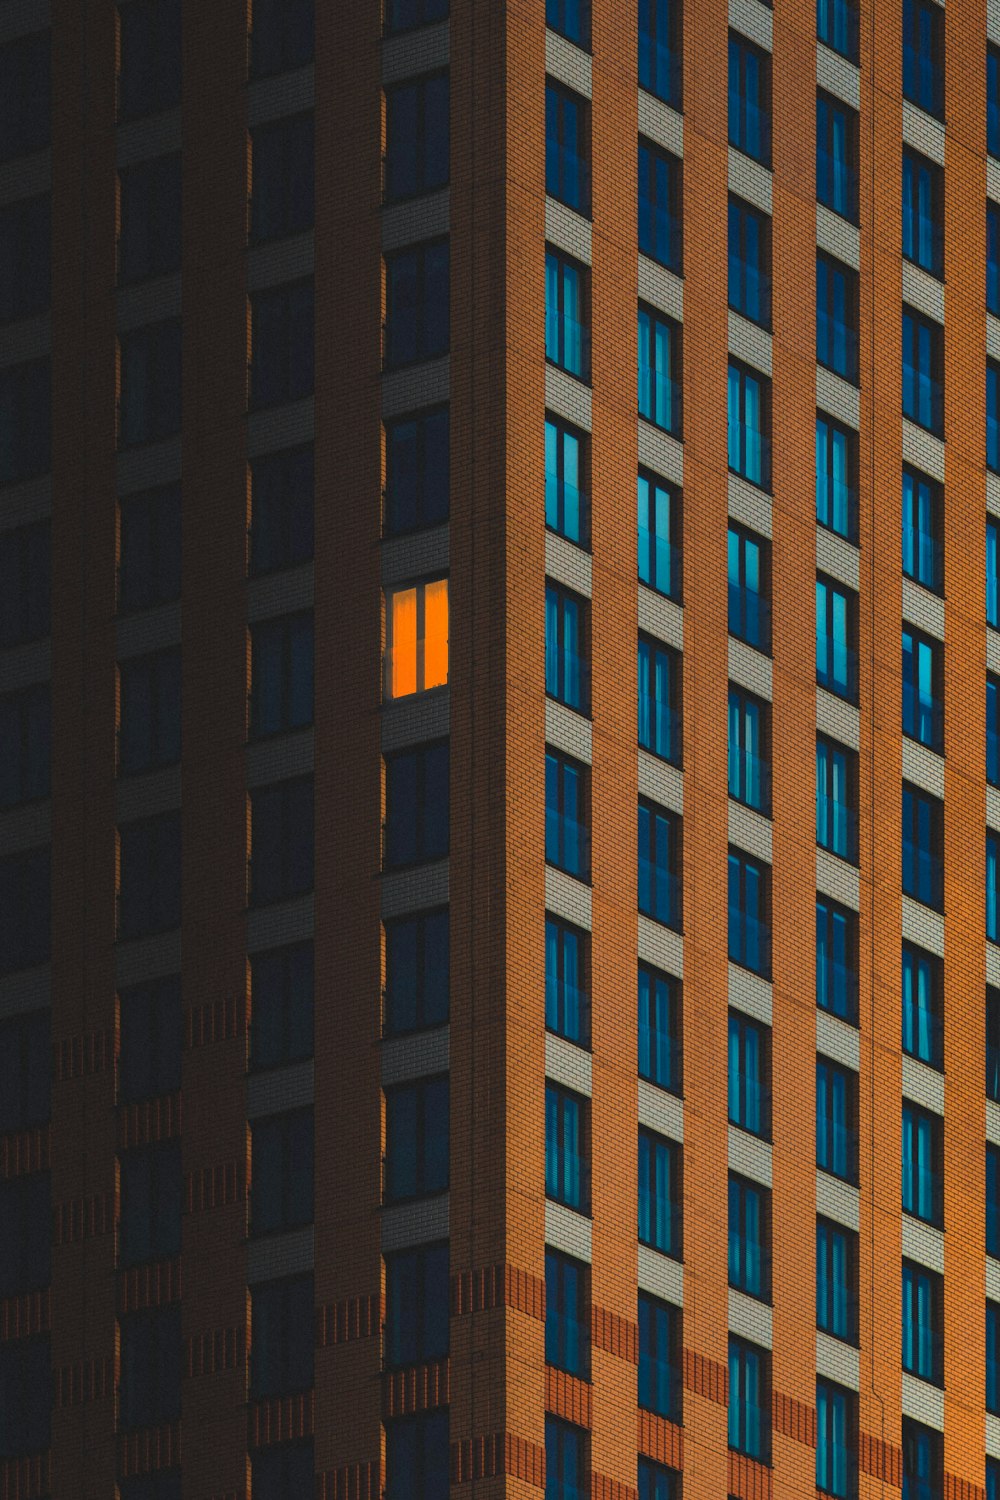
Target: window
{"points": [[749, 749], [749, 1400], [659, 1362], [749, 583], [567, 147], [25, 1234], [992, 415], [281, 678], [567, 1314], [160, 1484], [660, 222], [659, 371], [404, 15], [416, 638], [25, 908], [836, 1422], [922, 996], [660, 1195], [149, 893], [566, 1476], [660, 49], [923, 370], [922, 1156], [281, 531], [149, 564], [836, 630], [922, 1313], [417, 969], [151, 1037], [993, 1357], [567, 998], [836, 959], [417, 1305], [567, 834], [281, 1194], [993, 1200], [992, 1043], [750, 262], [150, 1386], [567, 1148], [417, 1136], [25, 1071], [416, 801], [749, 1074], [993, 573], [923, 55], [837, 156], [659, 536], [150, 1224], [922, 1462], [283, 35], [281, 988], [567, 668], [149, 733], [149, 77], [923, 840], [658, 1483], [418, 314], [993, 254], [836, 470], [836, 1280], [923, 212], [749, 423], [417, 492], [281, 1351], [659, 1029], [923, 672], [571, 18], [149, 242], [923, 555], [25, 257], [749, 1238], [837, 26], [150, 400], [282, 841], [749, 913], [659, 700], [567, 504], [993, 1479], [26, 1398], [992, 729], [282, 200], [659, 864], [26, 94], [567, 336], [25, 584], [837, 317], [417, 137], [25, 421], [281, 1469], [836, 1114], [749, 99], [25, 745], [992, 886], [283, 354], [836, 798]]}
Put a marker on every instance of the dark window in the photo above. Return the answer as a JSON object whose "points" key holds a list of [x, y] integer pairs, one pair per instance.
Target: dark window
{"points": [[922, 1312], [749, 1399], [149, 733], [417, 136], [922, 1007], [567, 997], [283, 35], [923, 675], [923, 1149], [281, 1195], [837, 317], [660, 1047], [993, 256], [923, 555], [283, 196], [417, 968], [567, 504], [659, 1358], [660, 49], [281, 697], [567, 1148], [923, 55], [25, 1071], [749, 425], [404, 15], [149, 77], [416, 797], [160, 1484], [993, 1200], [659, 864], [660, 221], [150, 1223], [567, 664], [567, 334], [571, 18], [283, 351], [993, 1357], [25, 745], [993, 1479], [836, 477], [992, 729], [836, 959], [26, 1392], [993, 573], [150, 1390], [992, 1043], [659, 700], [923, 370], [149, 242], [25, 421], [567, 1314], [151, 1036], [923, 212], [25, 908], [836, 798], [25, 584], [836, 635], [922, 1462], [418, 316], [25, 1234], [566, 1476], [836, 1280], [837, 156], [417, 1139], [25, 94], [836, 1120], [659, 536], [25, 257], [749, 99], [281, 1350], [149, 565], [992, 886], [749, 586], [836, 1440], [749, 1074], [417, 472], [659, 371], [282, 841], [750, 262], [837, 26], [149, 896], [567, 832], [417, 1293], [923, 841], [749, 757], [660, 1194], [567, 147], [281, 528], [281, 1469], [993, 100], [656, 1482], [749, 913], [281, 987], [992, 415], [749, 1237], [150, 401]]}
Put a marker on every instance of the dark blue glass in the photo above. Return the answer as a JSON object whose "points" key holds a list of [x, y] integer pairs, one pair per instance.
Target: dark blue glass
{"points": [[837, 26], [749, 1096], [749, 262], [660, 49], [749, 99], [567, 1164], [923, 819], [567, 1001], [659, 1375], [571, 18], [659, 690], [417, 137], [923, 55], [659, 1029], [923, 393], [836, 317], [923, 555], [923, 710], [922, 1185], [417, 1303], [567, 836], [659, 371], [749, 1213], [922, 1351], [748, 585], [836, 1135], [567, 148], [749, 924], [660, 1221], [749, 420], [660, 222], [923, 229], [836, 961], [836, 1260], [567, 1315], [749, 1400], [659, 881], [836, 156]]}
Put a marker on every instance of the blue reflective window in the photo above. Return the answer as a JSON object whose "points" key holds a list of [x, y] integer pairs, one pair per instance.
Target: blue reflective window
{"points": [[659, 700], [923, 555], [279, 1470], [659, 536], [749, 425], [283, 353], [835, 1441], [836, 818], [922, 1312], [567, 1314], [993, 574], [149, 895], [836, 1279], [660, 1197], [749, 913], [837, 156], [837, 26], [993, 1200], [26, 583], [923, 212], [567, 668], [571, 18], [749, 587], [567, 147], [749, 773], [992, 729], [567, 832], [281, 676], [660, 49], [567, 1153], [993, 1357], [567, 504], [659, 1363], [660, 1044], [26, 1234], [992, 258], [750, 262], [149, 76], [922, 1029], [659, 371], [660, 223], [749, 1237], [151, 1192], [923, 391], [923, 709], [26, 1396], [749, 99], [567, 336], [992, 886], [26, 435], [992, 1043], [836, 959], [836, 489], [836, 658], [993, 100], [837, 317], [836, 1132], [150, 1370], [26, 1069], [567, 997], [923, 55], [749, 1072], [566, 1476], [992, 415], [659, 864], [923, 840], [922, 1154], [922, 1462], [749, 1400], [658, 1483], [149, 562]]}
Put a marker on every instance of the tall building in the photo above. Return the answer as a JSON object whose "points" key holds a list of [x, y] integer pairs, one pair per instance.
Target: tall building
{"points": [[499, 749]]}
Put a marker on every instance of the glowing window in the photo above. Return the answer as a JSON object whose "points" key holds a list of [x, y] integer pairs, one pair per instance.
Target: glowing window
{"points": [[417, 638]]}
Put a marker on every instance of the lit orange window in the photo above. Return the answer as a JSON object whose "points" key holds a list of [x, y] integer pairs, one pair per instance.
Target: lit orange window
{"points": [[417, 638]]}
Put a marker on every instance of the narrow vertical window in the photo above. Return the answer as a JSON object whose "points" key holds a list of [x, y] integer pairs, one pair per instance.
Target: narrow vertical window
{"points": [[417, 638]]}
